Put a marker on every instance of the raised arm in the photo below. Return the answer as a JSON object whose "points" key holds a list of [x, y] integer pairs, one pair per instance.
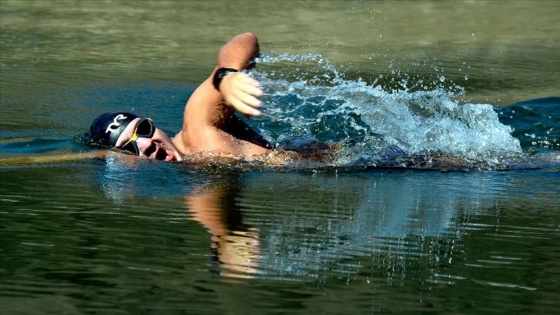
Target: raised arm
{"points": [[209, 124]]}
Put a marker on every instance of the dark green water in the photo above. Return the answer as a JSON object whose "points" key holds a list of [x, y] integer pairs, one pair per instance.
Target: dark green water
{"points": [[115, 236]]}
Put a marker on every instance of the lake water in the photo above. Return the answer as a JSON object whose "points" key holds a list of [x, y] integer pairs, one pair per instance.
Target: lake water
{"points": [[383, 228]]}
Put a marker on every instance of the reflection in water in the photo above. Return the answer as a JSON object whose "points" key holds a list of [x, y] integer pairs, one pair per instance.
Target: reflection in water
{"points": [[379, 221], [375, 227], [370, 239], [235, 245], [295, 227], [300, 227], [212, 201]]}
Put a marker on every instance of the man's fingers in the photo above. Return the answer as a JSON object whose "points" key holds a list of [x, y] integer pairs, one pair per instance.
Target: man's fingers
{"points": [[250, 100], [244, 108], [250, 86], [246, 79], [249, 95], [253, 90], [242, 92]]}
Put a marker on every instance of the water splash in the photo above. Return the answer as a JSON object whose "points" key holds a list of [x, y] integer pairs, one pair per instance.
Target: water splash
{"points": [[307, 99]]}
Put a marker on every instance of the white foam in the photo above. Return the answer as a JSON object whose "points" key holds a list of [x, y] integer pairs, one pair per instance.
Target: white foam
{"points": [[307, 97]]}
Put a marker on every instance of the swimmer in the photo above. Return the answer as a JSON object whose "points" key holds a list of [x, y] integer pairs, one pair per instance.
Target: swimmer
{"points": [[210, 121]]}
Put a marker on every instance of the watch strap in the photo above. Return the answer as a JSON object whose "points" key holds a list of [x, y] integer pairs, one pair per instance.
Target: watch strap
{"points": [[219, 76]]}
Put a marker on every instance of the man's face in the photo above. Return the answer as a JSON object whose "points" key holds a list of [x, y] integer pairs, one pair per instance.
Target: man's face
{"points": [[143, 138]]}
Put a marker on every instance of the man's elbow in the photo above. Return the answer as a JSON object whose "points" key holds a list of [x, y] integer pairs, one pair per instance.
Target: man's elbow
{"points": [[249, 35], [248, 38], [255, 44]]}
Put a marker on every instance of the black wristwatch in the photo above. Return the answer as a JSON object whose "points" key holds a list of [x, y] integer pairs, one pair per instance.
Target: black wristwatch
{"points": [[219, 76]]}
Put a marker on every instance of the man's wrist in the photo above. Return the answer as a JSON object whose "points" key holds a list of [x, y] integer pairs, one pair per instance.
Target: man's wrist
{"points": [[220, 75]]}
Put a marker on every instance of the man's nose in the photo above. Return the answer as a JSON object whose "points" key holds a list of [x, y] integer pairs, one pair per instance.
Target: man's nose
{"points": [[145, 145]]}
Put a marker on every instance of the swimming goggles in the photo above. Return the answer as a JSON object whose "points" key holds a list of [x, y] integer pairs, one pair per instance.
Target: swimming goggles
{"points": [[145, 129]]}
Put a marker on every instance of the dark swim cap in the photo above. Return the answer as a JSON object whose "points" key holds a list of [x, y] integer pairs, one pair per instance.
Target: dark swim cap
{"points": [[106, 128]]}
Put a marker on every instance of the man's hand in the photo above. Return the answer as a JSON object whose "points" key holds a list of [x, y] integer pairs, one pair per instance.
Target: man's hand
{"points": [[241, 92]]}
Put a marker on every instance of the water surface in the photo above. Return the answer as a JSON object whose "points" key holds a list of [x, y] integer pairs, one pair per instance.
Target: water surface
{"points": [[474, 79]]}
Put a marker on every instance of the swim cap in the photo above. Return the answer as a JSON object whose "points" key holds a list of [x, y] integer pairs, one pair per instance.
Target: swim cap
{"points": [[106, 129]]}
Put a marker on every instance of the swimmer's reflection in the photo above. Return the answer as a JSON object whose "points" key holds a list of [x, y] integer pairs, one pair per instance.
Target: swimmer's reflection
{"points": [[235, 245]]}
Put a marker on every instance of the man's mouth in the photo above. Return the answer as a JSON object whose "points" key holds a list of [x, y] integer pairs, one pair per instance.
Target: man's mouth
{"points": [[170, 156], [162, 154]]}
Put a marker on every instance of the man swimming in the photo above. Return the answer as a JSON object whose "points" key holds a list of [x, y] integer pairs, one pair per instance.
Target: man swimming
{"points": [[212, 130], [210, 123]]}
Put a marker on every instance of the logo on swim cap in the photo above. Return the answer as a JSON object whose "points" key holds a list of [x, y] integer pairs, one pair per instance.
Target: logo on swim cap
{"points": [[114, 126], [106, 129]]}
